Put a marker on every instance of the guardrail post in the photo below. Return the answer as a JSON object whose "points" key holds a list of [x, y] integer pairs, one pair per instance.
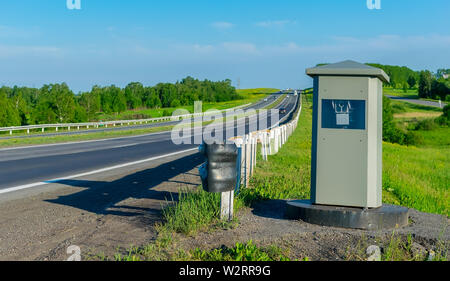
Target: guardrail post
{"points": [[238, 166], [255, 148], [57, 129], [218, 174], [250, 172], [42, 129], [226, 205], [264, 145], [28, 131], [10, 132], [245, 160]]}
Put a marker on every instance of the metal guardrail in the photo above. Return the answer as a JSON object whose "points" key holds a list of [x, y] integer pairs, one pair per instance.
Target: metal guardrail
{"points": [[271, 140], [105, 124]]}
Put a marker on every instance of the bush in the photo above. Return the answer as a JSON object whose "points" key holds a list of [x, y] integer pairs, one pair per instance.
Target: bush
{"points": [[166, 112], [446, 111], [390, 131], [426, 125], [444, 119], [413, 138], [398, 108], [175, 103]]}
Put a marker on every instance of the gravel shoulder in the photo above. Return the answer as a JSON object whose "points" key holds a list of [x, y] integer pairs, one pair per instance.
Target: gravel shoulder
{"points": [[118, 209], [98, 213]]}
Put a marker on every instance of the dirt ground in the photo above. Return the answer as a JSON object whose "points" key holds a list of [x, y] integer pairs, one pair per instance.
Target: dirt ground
{"points": [[265, 226], [99, 213], [104, 213]]}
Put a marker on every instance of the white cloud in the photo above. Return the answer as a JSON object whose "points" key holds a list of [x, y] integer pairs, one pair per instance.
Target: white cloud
{"points": [[238, 47], [14, 32], [222, 25], [9, 51], [274, 23]]}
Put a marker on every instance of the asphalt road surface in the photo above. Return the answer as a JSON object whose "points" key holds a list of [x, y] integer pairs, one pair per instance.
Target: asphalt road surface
{"points": [[261, 104], [421, 102], [25, 168], [109, 196]]}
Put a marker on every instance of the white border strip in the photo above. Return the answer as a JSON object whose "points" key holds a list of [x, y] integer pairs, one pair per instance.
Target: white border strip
{"points": [[16, 188]]}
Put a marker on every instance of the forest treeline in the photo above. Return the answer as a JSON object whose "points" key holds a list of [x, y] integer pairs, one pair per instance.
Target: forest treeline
{"points": [[429, 85], [57, 103]]}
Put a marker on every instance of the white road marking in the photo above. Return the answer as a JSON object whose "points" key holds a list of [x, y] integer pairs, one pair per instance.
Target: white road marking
{"points": [[16, 188], [126, 145], [87, 141], [77, 142]]}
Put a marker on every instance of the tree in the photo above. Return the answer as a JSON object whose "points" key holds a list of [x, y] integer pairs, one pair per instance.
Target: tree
{"points": [[134, 93], [405, 87], [425, 81], [9, 116], [91, 102], [412, 82], [56, 103], [175, 103], [440, 88], [119, 102]]}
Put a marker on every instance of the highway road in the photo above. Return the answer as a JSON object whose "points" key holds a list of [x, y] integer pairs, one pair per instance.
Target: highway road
{"points": [[260, 104], [109, 194], [23, 168], [420, 102]]}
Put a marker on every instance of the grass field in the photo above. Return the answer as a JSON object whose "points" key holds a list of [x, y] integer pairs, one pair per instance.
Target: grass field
{"points": [[399, 107], [416, 177], [410, 93]]}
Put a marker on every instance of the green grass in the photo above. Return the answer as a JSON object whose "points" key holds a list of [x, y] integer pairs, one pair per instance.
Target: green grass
{"points": [[397, 248], [240, 252], [276, 103], [410, 93], [193, 212], [404, 107], [15, 142], [416, 177], [436, 138], [286, 174], [251, 92]]}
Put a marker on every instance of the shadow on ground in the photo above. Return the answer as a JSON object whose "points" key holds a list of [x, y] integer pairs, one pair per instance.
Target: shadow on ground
{"points": [[273, 209], [104, 197]]}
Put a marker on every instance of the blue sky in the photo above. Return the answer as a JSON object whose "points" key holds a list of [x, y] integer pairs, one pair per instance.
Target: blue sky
{"points": [[264, 43]]}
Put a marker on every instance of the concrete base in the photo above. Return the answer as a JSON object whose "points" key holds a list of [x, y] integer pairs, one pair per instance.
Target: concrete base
{"points": [[385, 217]]}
